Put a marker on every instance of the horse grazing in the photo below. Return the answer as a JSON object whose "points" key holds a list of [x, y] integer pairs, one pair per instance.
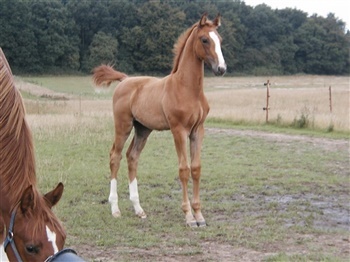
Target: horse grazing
{"points": [[176, 102], [33, 231]]}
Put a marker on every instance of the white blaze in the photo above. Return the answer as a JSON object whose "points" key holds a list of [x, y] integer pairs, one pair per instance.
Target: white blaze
{"points": [[3, 256], [51, 237], [218, 51]]}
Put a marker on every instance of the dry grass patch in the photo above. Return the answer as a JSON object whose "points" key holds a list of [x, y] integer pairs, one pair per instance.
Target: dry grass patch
{"points": [[304, 98], [72, 107], [294, 100]]}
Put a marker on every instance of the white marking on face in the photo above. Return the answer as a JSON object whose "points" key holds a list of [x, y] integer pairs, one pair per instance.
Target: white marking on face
{"points": [[3, 256], [51, 237], [218, 51]]}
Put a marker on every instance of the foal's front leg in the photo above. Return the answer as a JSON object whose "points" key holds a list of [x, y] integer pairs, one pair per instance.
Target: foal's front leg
{"points": [[180, 137], [196, 140]]}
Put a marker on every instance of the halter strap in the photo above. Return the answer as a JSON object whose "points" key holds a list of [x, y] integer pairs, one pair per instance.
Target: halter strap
{"points": [[9, 238]]}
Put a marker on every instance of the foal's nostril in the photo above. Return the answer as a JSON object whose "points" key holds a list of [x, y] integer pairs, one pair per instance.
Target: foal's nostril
{"points": [[221, 70]]}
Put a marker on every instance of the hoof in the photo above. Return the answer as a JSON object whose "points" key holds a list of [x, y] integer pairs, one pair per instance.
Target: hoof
{"points": [[142, 215], [201, 224], [192, 224], [116, 214]]}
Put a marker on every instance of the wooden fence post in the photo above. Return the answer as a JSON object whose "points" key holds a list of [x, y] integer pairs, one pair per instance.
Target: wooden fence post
{"points": [[330, 98], [80, 104], [267, 84]]}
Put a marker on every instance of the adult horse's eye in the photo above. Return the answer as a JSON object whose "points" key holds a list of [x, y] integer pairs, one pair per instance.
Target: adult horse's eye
{"points": [[32, 249], [205, 40]]}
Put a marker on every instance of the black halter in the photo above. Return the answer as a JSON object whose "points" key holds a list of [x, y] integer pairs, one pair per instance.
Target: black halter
{"points": [[9, 238]]}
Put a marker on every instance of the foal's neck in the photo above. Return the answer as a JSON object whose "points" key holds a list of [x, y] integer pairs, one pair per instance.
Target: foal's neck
{"points": [[190, 71]]}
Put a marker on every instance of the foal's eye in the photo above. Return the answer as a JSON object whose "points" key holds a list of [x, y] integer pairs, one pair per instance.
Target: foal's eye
{"points": [[205, 40], [32, 249]]}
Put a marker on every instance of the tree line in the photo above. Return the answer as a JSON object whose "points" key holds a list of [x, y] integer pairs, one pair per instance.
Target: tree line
{"points": [[137, 36]]}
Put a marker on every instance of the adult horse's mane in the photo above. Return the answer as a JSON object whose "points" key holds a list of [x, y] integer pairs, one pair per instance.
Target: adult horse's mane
{"points": [[17, 151], [17, 159]]}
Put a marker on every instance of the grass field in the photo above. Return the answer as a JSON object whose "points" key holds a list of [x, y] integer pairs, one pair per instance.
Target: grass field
{"points": [[302, 101], [266, 196]]}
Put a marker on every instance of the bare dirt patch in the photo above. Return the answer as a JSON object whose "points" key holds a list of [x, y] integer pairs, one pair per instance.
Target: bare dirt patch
{"points": [[214, 251], [328, 144]]}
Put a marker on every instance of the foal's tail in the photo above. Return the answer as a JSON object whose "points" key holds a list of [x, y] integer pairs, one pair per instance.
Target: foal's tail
{"points": [[105, 75]]}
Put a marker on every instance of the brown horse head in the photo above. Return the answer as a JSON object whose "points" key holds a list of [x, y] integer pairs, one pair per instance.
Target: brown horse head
{"points": [[34, 233], [37, 233], [208, 44]]}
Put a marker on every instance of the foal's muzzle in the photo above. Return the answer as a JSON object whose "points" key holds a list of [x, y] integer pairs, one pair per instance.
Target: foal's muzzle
{"points": [[219, 70]]}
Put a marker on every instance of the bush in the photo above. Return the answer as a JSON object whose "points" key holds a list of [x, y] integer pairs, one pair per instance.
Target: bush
{"points": [[303, 121]]}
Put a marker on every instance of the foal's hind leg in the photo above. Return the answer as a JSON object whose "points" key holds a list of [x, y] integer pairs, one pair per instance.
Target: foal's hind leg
{"points": [[115, 156], [133, 154]]}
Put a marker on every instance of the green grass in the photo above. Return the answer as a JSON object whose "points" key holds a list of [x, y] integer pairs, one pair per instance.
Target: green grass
{"points": [[242, 179], [278, 200], [277, 128], [73, 85]]}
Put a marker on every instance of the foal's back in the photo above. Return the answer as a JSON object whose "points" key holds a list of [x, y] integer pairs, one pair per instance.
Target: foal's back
{"points": [[142, 97]]}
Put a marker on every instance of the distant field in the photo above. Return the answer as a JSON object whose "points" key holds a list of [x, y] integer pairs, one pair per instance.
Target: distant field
{"points": [[293, 99], [265, 196]]}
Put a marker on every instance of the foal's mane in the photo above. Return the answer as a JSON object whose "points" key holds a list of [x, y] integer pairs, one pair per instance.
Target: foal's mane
{"points": [[17, 162], [180, 46]]}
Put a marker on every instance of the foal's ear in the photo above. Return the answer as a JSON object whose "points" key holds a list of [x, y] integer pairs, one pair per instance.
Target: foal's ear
{"points": [[54, 196], [217, 20], [203, 20], [27, 199]]}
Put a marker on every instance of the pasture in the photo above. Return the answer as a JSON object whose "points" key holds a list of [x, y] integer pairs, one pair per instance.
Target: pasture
{"points": [[266, 196], [240, 99]]}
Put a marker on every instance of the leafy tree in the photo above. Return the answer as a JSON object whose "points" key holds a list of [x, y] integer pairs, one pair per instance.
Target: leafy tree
{"points": [[261, 54], [138, 36], [103, 49], [290, 20], [233, 32], [54, 32], [16, 36], [89, 17], [151, 42], [123, 14], [321, 47]]}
